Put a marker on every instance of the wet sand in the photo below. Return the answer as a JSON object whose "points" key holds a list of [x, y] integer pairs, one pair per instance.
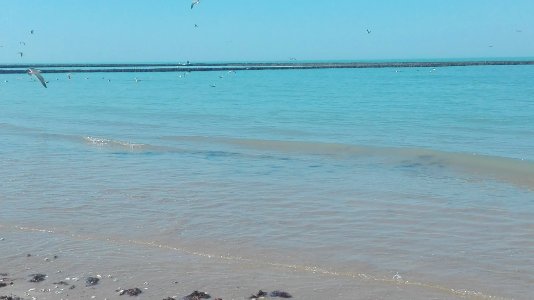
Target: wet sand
{"points": [[71, 264]]}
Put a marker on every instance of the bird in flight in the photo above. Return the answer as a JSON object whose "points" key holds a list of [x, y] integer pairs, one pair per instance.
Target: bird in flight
{"points": [[22, 43], [196, 25], [21, 54], [31, 31], [368, 31], [37, 74], [194, 3]]}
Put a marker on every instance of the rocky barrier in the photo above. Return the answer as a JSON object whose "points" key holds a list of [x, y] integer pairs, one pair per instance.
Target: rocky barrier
{"points": [[203, 67]]}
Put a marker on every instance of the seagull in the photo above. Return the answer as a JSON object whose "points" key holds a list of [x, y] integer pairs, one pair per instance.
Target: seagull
{"points": [[194, 2], [22, 43], [196, 26], [69, 76], [368, 31], [21, 54], [37, 74], [31, 31]]}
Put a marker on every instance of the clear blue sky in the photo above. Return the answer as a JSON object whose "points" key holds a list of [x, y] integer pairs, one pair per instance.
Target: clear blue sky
{"points": [[262, 30]]}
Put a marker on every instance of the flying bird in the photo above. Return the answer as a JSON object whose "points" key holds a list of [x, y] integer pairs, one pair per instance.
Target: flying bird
{"points": [[22, 43], [31, 31], [21, 54], [368, 31], [196, 25], [194, 3], [37, 74]]}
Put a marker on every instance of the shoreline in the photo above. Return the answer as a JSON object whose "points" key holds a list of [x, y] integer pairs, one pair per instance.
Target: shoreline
{"points": [[73, 267], [204, 67]]}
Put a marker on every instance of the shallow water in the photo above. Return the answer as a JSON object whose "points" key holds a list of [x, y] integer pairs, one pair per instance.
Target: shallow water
{"points": [[379, 179]]}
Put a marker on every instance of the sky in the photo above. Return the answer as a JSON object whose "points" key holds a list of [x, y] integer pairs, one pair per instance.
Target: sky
{"points": [[104, 31]]}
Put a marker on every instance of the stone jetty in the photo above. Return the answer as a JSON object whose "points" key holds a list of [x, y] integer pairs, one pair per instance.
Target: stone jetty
{"points": [[204, 67]]}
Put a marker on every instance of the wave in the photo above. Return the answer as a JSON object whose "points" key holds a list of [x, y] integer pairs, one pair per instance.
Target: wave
{"points": [[512, 170], [519, 172], [88, 140], [102, 142]]}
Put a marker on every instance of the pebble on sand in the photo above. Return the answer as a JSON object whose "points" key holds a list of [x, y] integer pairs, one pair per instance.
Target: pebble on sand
{"points": [[130, 292], [258, 295], [37, 277], [196, 295], [90, 281]]}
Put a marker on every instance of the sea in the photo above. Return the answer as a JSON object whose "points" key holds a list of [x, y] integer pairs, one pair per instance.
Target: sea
{"points": [[389, 183]]}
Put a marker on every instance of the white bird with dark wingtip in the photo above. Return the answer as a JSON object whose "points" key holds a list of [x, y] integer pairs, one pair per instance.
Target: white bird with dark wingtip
{"points": [[194, 3], [37, 73]]}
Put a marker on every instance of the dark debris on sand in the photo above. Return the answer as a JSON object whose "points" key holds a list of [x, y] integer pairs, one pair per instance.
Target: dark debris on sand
{"points": [[258, 295], [4, 281], [37, 277], [10, 298], [196, 295], [130, 292], [280, 294], [90, 281], [61, 283], [275, 294], [169, 298]]}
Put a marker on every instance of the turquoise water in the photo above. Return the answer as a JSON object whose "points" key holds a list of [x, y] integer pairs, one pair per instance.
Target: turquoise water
{"points": [[423, 173]]}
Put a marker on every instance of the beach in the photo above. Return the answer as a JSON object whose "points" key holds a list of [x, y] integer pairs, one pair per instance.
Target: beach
{"points": [[160, 272], [393, 182]]}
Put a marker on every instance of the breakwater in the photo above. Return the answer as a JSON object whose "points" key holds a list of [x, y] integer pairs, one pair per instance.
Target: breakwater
{"points": [[204, 67]]}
